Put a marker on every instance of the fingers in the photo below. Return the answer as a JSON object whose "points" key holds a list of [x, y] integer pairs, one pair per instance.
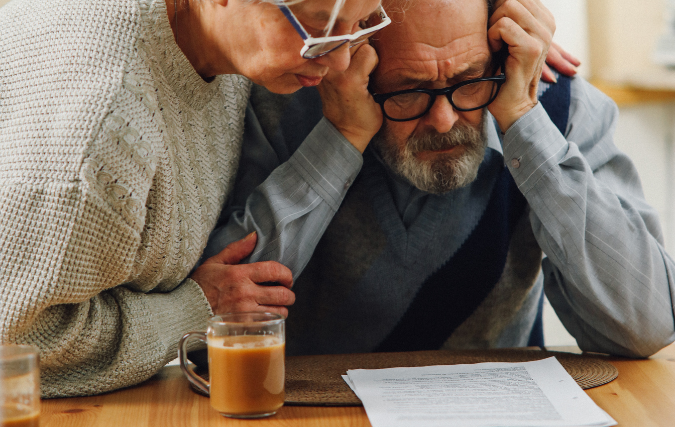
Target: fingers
{"points": [[235, 251], [274, 296], [365, 59], [520, 23], [268, 272], [525, 52], [347, 104], [547, 75], [557, 60], [252, 297], [248, 296], [533, 10], [539, 27], [236, 288], [566, 55]]}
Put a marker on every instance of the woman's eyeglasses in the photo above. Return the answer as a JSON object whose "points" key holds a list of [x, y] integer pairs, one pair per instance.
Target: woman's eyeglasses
{"points": [[316, 47], [411, 104]]}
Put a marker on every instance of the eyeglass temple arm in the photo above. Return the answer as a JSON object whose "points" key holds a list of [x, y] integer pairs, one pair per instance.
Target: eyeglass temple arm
{"points": [[293, 20]]}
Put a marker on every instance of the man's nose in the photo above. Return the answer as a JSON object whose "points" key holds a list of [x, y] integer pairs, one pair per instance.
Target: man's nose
{"points": [[442, 116], [337, 60]]}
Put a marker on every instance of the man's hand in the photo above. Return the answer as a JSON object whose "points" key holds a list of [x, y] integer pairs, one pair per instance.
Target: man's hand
{"points": [[235, 288], [347, 104], [564, 62], [526, 27]]}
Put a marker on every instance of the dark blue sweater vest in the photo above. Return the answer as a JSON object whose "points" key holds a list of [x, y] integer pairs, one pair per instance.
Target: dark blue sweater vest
{"points": [[443, 300]]}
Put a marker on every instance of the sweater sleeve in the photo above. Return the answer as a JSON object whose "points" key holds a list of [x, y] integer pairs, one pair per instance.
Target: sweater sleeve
{"points": [[72, 218], [65, 256]]}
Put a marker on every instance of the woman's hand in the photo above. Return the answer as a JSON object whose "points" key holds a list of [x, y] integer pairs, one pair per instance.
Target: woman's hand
{"points": [[564, 62], [232, 287], [347, 104], [526, 28]]}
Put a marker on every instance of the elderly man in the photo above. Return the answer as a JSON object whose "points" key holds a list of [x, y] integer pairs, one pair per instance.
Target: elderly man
{"points": [[471, 201]]}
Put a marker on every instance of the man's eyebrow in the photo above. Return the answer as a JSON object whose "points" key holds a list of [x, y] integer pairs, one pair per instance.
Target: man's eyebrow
{"points": [[474, 71]]}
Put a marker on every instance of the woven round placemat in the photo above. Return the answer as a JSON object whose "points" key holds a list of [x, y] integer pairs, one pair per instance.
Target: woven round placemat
{"points": [[317, 380]]}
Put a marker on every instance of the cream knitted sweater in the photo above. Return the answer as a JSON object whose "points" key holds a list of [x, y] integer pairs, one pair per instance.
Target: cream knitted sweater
{"points": [[115, 160]]}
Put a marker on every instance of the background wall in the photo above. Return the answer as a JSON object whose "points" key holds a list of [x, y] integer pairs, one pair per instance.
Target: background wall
{"points": [[571, 29]]}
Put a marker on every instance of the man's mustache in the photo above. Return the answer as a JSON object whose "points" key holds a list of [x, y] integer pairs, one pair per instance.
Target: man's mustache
{"points": [[460, 134]]}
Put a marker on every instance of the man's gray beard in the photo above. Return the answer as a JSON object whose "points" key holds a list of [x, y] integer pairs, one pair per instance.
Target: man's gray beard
{"points": [[446, 172]]}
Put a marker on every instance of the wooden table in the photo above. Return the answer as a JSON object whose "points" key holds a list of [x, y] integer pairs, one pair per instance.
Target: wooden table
{"points": [[642, 396]]}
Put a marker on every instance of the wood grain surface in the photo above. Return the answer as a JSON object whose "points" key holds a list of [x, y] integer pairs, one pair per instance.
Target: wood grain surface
{"points": [[642, 396]]}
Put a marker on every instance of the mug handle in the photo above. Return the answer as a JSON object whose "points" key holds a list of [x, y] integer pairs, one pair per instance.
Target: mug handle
{"points": [[196, 380]]}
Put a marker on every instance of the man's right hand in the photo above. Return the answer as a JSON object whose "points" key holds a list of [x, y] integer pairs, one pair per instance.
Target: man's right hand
{"points": [[232, 287], [347, 104]]}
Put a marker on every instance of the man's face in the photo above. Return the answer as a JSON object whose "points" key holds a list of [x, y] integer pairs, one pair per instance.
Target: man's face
{"points": [[438, 44]]}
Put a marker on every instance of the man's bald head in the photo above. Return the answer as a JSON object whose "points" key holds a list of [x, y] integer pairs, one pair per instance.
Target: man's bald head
{"points": [[451, 33], [394, 7]]}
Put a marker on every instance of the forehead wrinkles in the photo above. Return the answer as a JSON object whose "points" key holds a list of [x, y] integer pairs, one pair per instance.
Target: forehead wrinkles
{"points": [[431, 63]]}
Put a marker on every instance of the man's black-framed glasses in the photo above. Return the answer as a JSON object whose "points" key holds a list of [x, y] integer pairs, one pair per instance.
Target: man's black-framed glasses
{"points": [[411, 104]]}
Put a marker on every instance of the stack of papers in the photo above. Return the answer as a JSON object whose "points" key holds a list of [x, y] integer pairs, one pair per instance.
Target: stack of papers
{"points": [[539, 393]]}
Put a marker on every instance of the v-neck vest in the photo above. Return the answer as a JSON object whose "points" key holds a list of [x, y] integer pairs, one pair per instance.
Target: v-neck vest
{"points": [[375, 285]]}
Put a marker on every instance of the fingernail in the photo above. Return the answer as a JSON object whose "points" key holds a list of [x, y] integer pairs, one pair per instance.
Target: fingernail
{"points": [[555, 80], [249, 236]]}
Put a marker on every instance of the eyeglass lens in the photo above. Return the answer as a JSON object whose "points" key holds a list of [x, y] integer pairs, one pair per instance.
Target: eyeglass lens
{"points": [[414, 104], [320, 49]]}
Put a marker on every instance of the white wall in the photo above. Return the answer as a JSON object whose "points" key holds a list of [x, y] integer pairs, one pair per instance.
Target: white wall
{"points": [[571, 28], [645, 133]]}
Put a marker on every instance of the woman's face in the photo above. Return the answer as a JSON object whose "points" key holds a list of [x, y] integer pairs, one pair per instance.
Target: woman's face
{"points": [[264, 46]]}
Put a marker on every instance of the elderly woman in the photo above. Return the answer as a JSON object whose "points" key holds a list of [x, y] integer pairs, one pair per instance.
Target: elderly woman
{"points": [[120, 130]]}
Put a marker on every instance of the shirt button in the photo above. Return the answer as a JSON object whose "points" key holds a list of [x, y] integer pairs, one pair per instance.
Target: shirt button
{"points": [[515, 163]]}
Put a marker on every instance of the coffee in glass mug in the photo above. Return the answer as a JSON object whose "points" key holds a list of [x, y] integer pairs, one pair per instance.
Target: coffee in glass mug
{"points": [[19, 386], [246, 353]]}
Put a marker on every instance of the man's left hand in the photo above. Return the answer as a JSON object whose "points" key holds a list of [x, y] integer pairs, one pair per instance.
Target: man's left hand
{"points": [[563, 61], [526, 27]]}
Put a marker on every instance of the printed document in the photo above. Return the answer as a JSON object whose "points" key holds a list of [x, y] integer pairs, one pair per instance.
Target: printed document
{"points": [[539, 393]]}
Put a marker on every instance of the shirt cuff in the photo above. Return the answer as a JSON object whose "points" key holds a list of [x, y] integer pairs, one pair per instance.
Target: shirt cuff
{"points": [[533, 145], [327, 162]]}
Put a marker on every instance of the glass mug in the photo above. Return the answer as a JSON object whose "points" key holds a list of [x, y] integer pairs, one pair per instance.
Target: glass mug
{"points": [[19, 386], [246, 363]]}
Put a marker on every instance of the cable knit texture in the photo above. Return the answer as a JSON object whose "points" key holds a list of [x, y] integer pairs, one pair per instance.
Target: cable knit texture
{"points": [[115, 160]]}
